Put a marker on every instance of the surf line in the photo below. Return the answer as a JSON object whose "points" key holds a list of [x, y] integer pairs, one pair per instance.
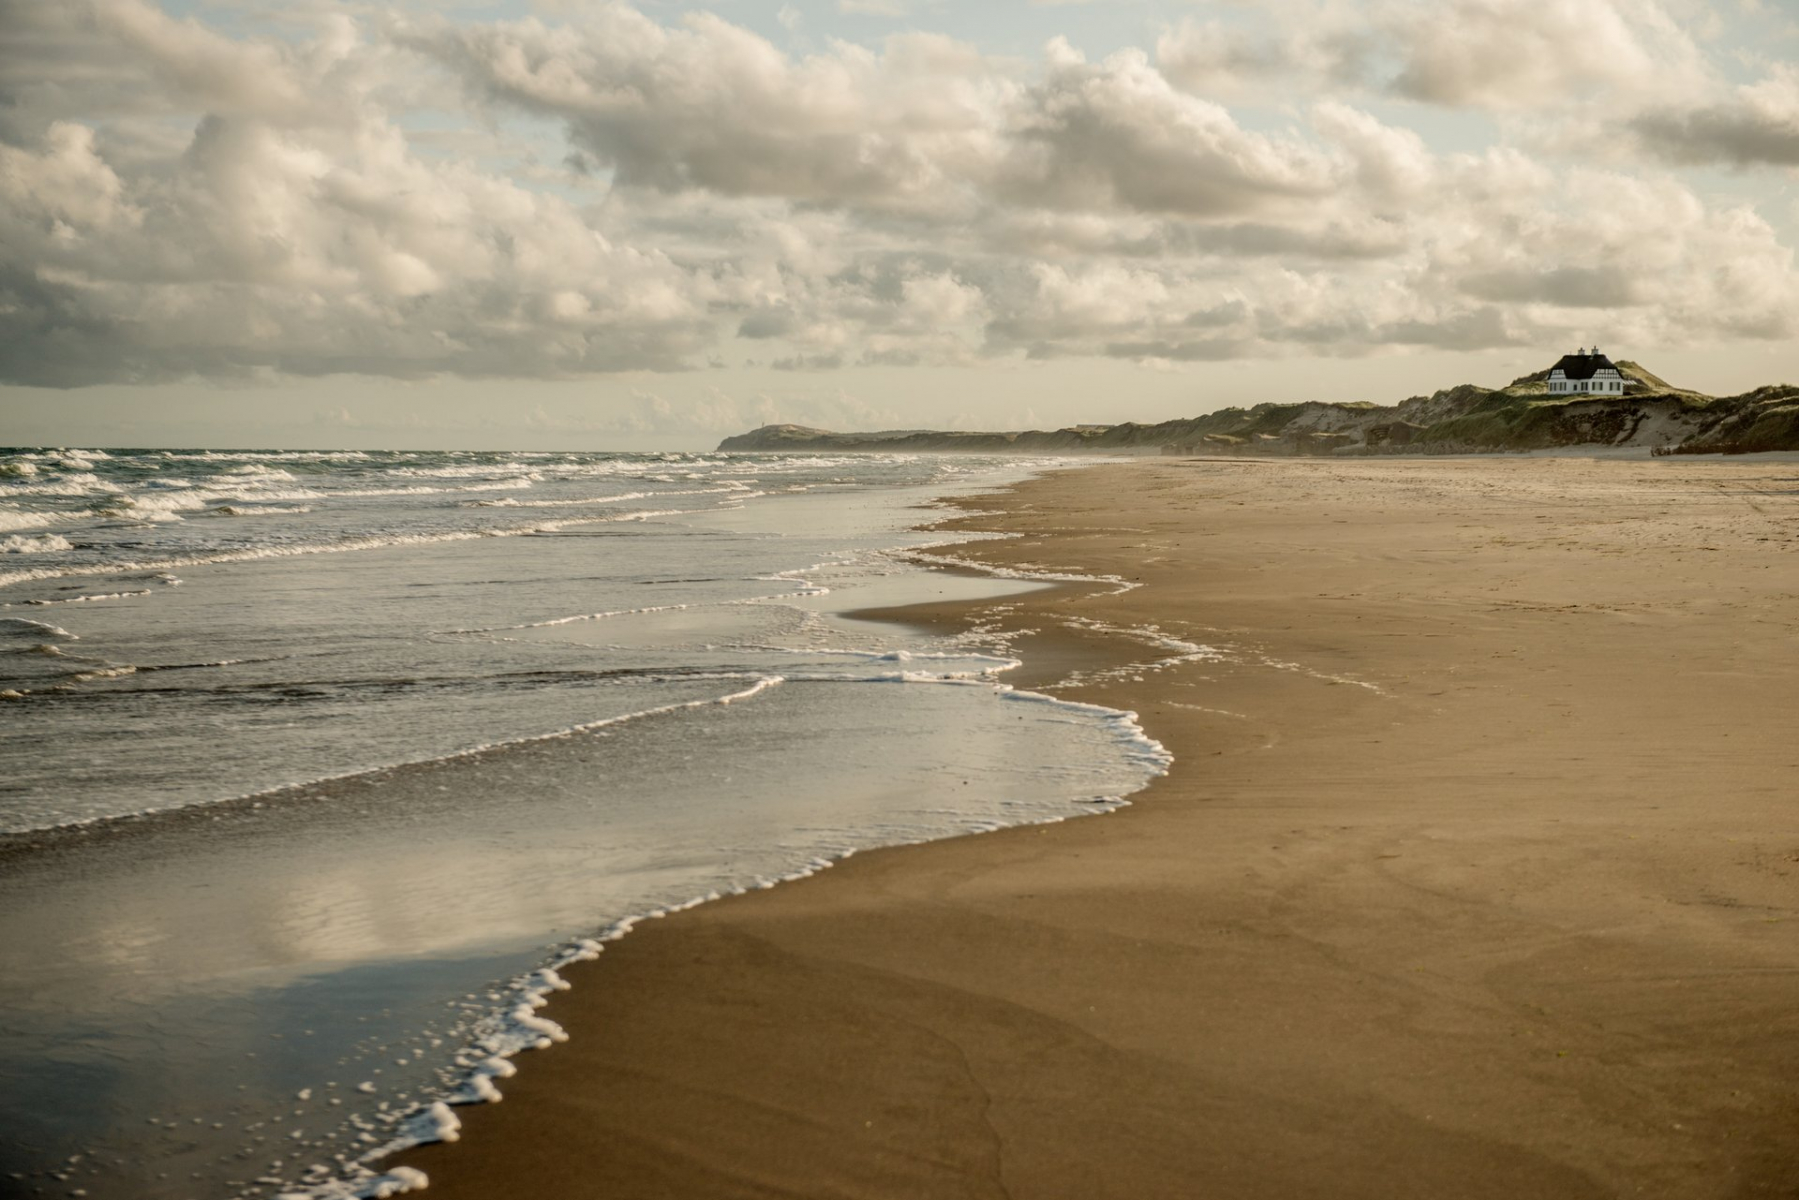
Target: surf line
{"points": [[517, 1025]]}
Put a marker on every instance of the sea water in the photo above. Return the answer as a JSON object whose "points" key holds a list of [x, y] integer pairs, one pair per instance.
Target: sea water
{"points": [[317, 764]]}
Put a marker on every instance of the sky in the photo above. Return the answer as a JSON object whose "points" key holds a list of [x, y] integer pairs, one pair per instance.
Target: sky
{"points": [[569, 224]]}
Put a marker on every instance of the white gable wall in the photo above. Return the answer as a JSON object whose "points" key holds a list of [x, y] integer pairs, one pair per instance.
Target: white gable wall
{"points": [[1605, 381]]}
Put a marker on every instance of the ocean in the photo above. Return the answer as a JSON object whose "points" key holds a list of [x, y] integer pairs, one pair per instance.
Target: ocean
{"points": [[317, 765]]}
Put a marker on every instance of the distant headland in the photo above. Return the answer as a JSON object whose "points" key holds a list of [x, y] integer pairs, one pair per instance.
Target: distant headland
{"points": [[1585, 399]]}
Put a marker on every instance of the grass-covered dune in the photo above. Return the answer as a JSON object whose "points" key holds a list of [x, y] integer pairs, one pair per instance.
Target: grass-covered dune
{"points": [[1467, 419]]}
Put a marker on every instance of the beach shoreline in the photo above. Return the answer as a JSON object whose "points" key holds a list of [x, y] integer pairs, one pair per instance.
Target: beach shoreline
{"points": [[453, 760], [1473, 876]]}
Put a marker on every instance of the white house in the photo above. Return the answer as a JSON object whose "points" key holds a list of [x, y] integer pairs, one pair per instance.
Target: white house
{"points": [[1587, 371]]}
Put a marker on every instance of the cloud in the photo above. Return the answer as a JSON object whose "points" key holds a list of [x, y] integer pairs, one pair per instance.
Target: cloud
{"points": [[129, 59], [274, 240], [1210, 57], [1607, 286], [621, 194], [1301, 42], [710, 105], [1118, 134], [927, 126], [1498, 56], [1390, 163], [65, 183], [1100, 303], [1758, 125], [1523, 54]]}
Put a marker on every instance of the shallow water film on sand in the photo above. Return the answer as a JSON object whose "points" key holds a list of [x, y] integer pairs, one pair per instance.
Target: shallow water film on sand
{"points": [[316, 765]]}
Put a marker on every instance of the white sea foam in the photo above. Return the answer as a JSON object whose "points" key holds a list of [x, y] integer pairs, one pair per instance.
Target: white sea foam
{"points": [[80, 599], [979, 671], [436, 1122], [84, 483], [599, 616], [797, 577], [102, 673], [366, 1186], [374, 542], [511, 502], [1145, 749], [45, 543], [518, 1027], [78, 460], [1117, 583], [1183, 651], [268, 456], [473, 471], [159, 506], [499, 485], [580, 502], [478, 1087], [258, 470], [271, 495], [13, 519]]}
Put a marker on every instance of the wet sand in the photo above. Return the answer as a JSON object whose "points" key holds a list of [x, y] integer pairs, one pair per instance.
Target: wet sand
{"points": [[1477, 875]]}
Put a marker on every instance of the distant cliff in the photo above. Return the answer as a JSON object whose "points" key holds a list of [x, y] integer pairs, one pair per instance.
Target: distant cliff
{"points": [[1460, 420]]}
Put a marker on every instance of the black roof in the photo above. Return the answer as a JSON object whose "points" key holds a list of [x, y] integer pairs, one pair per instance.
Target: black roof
{"points": [[1583, 365]]}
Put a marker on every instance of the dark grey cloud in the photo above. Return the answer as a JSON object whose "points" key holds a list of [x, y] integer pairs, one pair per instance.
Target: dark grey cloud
{"points": [[1193, 350], [1607, 286], [1230, 312], [1377, 238], [766, 323], [801, 362], [1736, 135], [47, 336]]}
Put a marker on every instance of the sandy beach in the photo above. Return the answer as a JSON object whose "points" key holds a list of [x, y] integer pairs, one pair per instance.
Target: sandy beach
{"points": [[1476, 875]]}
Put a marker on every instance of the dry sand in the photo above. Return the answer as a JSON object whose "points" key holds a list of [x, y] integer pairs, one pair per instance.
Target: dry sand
{"points": [[1476, 876]]}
